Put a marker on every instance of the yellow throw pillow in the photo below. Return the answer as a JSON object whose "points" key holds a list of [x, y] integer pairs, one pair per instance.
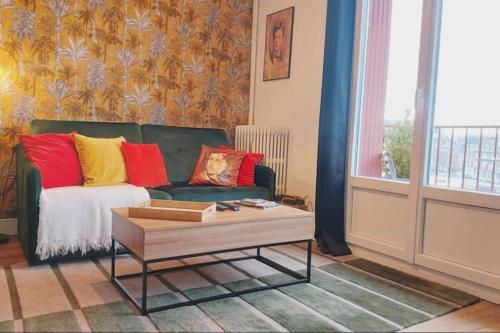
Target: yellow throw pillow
{"points": [[101, 160]]}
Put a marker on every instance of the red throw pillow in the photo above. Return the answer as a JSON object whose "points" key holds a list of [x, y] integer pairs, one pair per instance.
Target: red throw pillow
{"points": [[145, 165], [55, 157], [247, 169], [217, 167]]}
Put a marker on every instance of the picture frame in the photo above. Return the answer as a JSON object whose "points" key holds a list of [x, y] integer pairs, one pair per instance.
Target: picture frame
{"points": [[278, 44]]}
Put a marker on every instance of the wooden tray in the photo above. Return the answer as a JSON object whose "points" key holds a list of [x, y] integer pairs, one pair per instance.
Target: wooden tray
{"points": [[189, 211]]}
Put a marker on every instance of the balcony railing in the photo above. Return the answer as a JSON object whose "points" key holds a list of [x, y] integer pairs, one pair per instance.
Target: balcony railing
{"points": [[464, 157]]}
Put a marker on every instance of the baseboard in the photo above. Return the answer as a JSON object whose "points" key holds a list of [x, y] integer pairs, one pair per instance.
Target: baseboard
{"points": [[8, 226], [486, 293]]}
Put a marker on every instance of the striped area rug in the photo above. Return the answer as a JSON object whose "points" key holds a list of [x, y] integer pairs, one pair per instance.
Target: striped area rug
{"points": [[356, 295]]}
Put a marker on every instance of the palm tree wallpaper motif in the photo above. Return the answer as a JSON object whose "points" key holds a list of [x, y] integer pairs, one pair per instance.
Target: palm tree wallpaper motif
{"points": [[23, 27], [157, 50], [4, 4], [96, 77], [5, 89], [126, 58], [60, 9], [141, 23], [139, 97], [93, 5], [173, 62], [59, 91], [75, 52]]}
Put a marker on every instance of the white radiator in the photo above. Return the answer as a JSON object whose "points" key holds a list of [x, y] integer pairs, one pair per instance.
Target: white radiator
{"points": [[270, 141]]}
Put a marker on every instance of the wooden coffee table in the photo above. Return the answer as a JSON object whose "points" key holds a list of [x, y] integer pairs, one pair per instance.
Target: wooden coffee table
{"points": [[151, 241]]}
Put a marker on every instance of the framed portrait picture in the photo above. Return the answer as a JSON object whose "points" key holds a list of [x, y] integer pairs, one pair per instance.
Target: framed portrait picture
{"points": [[278, 49]]}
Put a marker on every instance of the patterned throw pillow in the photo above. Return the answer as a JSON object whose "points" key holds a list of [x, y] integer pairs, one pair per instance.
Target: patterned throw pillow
{"points": [[247, 169], [217, 167]]}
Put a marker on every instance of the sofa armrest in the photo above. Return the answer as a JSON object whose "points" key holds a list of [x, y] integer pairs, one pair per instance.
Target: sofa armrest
{"points": [[29, 186], [265, 176]]}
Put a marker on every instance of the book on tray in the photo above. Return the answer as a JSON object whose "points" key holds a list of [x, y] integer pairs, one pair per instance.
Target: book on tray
{"points": [[258, 203]]}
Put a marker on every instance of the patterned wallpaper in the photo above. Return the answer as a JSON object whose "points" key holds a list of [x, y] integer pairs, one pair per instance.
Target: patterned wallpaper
{"points": [[176, 62]]}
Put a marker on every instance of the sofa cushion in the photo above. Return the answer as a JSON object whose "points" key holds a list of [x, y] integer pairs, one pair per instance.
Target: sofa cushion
{"points": [[246, 176], [101, 160], [56, 158], [159, 195], [217, 167], [181, 146], [144, 164], [130, 131], [215, 193]]}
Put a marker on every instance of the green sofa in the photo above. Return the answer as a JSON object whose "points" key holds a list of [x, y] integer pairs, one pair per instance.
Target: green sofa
{"points": [[180, 147]]}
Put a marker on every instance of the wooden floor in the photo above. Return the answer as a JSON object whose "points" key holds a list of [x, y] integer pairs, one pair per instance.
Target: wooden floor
{"points": [[11, 252], [481, 317]]}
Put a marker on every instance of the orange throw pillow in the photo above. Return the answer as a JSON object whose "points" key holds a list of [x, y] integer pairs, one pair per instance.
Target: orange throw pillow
{"points": [[145, 165], [217, 167]]}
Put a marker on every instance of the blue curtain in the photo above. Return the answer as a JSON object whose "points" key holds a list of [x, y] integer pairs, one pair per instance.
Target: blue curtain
{"points": [[333, 128]]}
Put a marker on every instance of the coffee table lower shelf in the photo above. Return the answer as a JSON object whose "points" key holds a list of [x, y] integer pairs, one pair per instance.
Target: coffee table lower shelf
{"points": [[142, 306]]}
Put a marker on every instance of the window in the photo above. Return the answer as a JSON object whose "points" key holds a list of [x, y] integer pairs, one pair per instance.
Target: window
{"points": [[465, 150], [388, 71]]}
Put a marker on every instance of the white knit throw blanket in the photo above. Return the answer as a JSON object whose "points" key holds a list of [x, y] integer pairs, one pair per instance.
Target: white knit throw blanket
{"points": [[78, 218]]}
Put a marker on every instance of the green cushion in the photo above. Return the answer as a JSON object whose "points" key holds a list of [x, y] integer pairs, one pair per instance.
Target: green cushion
{"points": [[159, 195], [131, 131], [180, 146], [215, 193], [265, 176]]}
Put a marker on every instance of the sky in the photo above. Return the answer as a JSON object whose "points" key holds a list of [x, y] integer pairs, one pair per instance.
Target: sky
{"points": [[403, 59], [468, 77]]}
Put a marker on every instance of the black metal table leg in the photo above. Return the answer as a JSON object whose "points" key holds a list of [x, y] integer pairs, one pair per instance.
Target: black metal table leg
{"points": [[309, 250], [144, 288], [113, 258], [142, 305]]}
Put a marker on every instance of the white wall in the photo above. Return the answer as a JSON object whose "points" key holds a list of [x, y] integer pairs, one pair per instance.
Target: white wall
{"points": [[293, 102]]}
